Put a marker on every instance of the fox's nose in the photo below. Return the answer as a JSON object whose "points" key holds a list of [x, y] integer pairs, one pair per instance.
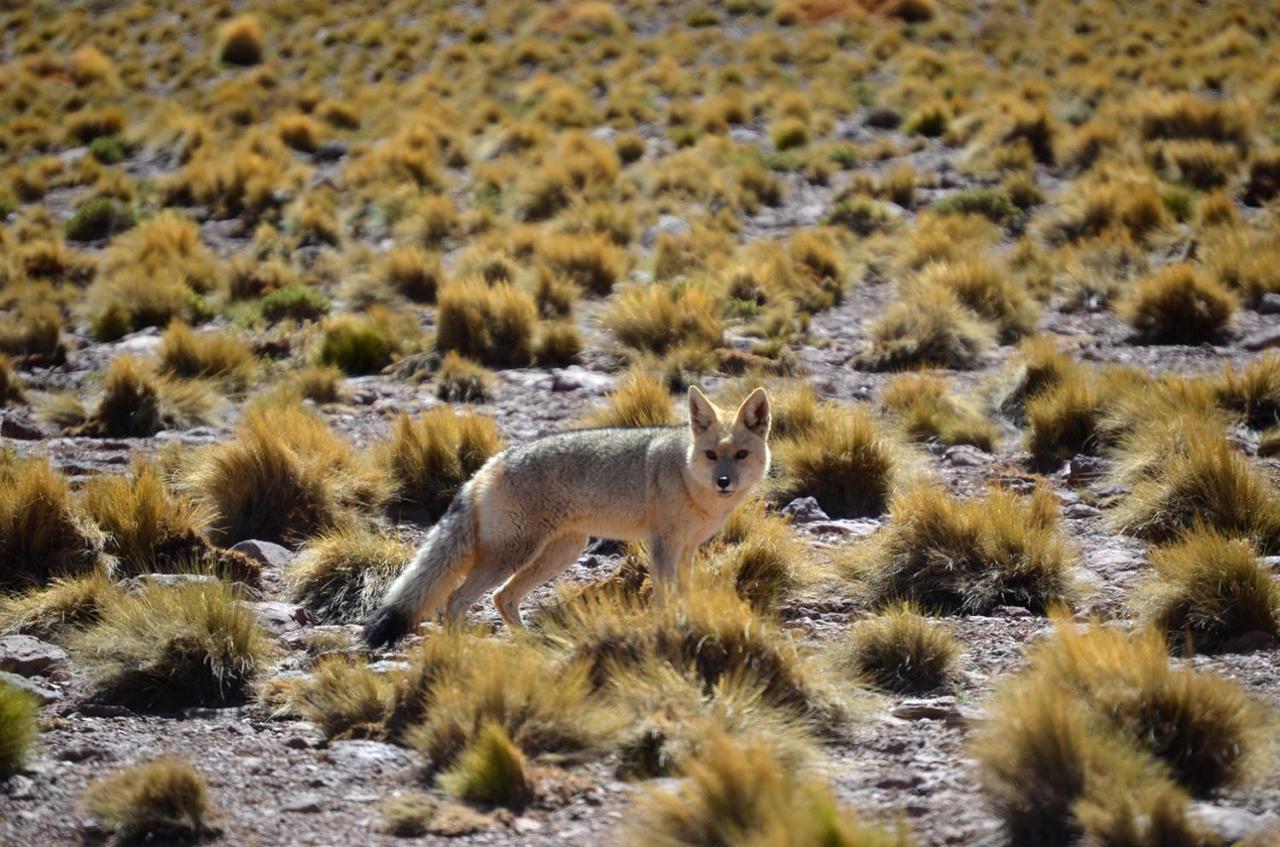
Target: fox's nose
{"points": [[722, 481]]}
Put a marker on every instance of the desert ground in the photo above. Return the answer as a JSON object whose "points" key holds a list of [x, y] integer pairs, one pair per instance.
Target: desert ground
{"points": [[277, 276]]}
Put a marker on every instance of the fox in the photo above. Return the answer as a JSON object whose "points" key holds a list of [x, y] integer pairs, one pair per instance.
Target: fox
{"points": [[525, 516]]}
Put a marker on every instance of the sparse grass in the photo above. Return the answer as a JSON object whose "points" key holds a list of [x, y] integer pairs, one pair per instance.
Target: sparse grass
{"points": [[967, 556], [1208, 590], [171, 647], [901, 651], [413, 272], [1252, 391], [11, 393], [843, 460], [356, 344], [318, 383], [296, 301], [240, 42], [994, 204], [1086, 737], [988, 292], [218, 355], [742, 795], [640, 401], [63, 606], [592, 262], [285, 476], [1063, 419], [342, 575], [461, 380], [757, 556], [928, 411], [44, 533], [1211, 485], [344, 697], [928, 327], [1039, 367], [493, 325], [99, 218], [164, 799], [1179, 305], [428, 460], [18, 731], [491, 770]]}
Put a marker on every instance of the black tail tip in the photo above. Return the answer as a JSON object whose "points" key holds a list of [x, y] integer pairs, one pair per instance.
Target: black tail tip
{"points": [[387, 626]]}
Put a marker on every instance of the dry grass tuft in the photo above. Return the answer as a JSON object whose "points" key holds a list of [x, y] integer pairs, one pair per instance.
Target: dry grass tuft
{"points": [[461, 380], [901, 651], [1063, 419], [1208, 484], [11, 393], [1179, 305], [492, 770], [927, 411], [44, 533], [428, 460], [218, 355], [494, 325], [658, 318], [164, 799], [137, 403], [742, 795], [356, 344], [842, 459], [639, 402], [967, 556], [928, 327], [64, 606], [18, 731], [284, 477], [344, 697], [1252, 392], [988, 292], [168, 647], [240, 41], [342, 575], [1209, 590]]}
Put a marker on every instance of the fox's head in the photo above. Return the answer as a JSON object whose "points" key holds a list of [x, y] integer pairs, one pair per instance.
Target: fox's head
{"points": [[729, 453]]}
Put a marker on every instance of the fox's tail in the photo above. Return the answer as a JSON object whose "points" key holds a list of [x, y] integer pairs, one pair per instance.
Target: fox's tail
{"points": [[428, 580]]}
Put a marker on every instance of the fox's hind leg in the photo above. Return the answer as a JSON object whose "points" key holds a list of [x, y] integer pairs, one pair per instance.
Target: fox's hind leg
{"points": [[496, 560], [560, 552]]}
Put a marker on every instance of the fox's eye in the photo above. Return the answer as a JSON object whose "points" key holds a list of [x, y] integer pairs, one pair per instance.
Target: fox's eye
{"points": [[740, 455], [711, 454]]}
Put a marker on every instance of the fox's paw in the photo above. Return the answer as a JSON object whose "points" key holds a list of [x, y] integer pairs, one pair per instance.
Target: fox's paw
{"points": [[387, 626]]}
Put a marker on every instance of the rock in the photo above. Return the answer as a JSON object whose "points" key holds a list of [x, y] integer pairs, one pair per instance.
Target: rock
{"points": [[1249, 642], [965, 456], [804, 510], [882, 118], [367, 754], [666, 225], [1234, 825], [935, 709], [746, 135], [526, 825], [1269, 304], [306, 803], [1011, 612], [578, 378], [1263, 339], [41, 690], [1080, 510], [329, 151], [265, 552], [852, 528], [135, 584], [142, 343], [27, 656], [19, 428], [604, 133], [1271, 562], [1082, 470], [281, 617]]}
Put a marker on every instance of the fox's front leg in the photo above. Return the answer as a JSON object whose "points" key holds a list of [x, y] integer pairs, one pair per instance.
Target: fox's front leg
{"points": [[664, 562]]}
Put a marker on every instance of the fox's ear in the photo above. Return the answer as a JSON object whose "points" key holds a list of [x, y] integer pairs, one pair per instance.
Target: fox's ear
{"points": [[754, 413], [702, 415]]}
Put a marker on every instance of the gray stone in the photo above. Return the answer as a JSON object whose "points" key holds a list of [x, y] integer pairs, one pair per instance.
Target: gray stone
{"points": [[965, 456], [1080, 510], [1269, 304], [1263, 339], [367, 754], [330, 151], [281, 617], [27, 656], [852, 528], [804, 510], [265, 552], [40, 689], [1234, 825], [577, 378], [307, 803]]}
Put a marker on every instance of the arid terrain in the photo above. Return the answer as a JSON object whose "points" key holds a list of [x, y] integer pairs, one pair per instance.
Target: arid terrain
{"points": [[277, 277]]}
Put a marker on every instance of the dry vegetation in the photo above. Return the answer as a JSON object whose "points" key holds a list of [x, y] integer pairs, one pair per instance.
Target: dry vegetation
{"points": [[292, 272]]}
